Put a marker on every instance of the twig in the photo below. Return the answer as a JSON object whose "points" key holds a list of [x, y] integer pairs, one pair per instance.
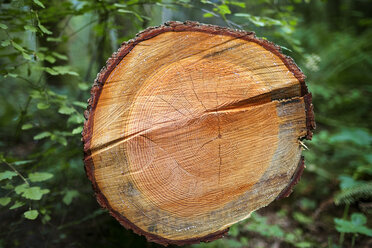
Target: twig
{"points": [[81, 28], [16, 171]]}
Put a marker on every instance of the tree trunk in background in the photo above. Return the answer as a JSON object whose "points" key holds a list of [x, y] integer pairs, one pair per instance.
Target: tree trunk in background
{"points": [[101, 40], [56, 27], [192, 127]]}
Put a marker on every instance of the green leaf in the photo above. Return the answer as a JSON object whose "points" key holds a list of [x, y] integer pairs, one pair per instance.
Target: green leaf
{"points": [[63, 70], [259, 224], [358, 219], [54, 39], [46, 219], [120, 5], [234, 231], [260, 21], [22, 162], [60, 139], [50, 59], [348, 182], [11, 75], [35, 94], [76, 119], [31, 214], [223, 9], [39, 176], [43, 105], [301, 218], [21, 188], [3, 26], [50, 71], [40, 56], [290, 237], [355, 225], [304, 244], [59, 56], [66, 110], [207, 15], [5, 43], [69, 196], [4, 201], [236, 3], [26, 126], [7, 175], [7, 186], [77, 130], [244, 241], [44, 29], [26, 56], [42, 135], [39, 3], [17, 46], [17, 204], [34, 193], [80, 104], [30, 28], [131, 12]]}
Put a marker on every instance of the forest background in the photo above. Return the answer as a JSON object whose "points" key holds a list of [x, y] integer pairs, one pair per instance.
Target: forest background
{"points": [[50, 54]]}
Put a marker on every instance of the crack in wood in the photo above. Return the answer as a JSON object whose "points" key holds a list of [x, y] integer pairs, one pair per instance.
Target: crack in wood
{"points": [[222, 51], [172, 106], [167, 154], [219, 166], [242, 105]]}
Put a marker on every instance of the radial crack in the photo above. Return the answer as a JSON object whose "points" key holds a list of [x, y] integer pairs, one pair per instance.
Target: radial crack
{"points": [[235, 107], [219, 166]]}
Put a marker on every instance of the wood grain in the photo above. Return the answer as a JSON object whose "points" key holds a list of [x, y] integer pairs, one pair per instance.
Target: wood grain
{"points": [[192, 127]]}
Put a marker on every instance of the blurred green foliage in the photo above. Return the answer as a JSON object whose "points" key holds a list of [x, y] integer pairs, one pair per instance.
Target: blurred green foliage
{"points": [[50, 52]]}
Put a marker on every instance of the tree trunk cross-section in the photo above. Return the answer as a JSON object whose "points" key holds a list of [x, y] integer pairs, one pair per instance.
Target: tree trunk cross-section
{"points": [[192, 127]]}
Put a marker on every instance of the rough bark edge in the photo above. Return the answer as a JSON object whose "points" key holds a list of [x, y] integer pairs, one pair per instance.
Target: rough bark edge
{"points": [[310, 125], [89, 168], [294, 180], [112, 62], [310, 118]]}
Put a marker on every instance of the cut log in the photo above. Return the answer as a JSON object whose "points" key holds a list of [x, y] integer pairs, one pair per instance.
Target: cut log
{"points": [[192, 127]]}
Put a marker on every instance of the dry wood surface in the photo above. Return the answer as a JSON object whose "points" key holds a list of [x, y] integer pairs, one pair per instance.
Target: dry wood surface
{"points": [[192, 127]]}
